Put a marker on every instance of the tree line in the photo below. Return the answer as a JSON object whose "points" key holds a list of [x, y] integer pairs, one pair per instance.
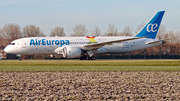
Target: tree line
{"points": [[10, 32]]}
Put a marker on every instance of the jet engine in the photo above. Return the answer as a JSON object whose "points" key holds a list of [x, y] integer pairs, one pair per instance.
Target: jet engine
{"points": [[69, 52]]}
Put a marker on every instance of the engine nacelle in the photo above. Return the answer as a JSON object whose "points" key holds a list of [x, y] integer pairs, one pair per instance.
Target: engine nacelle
{"points": [[69, 52]]}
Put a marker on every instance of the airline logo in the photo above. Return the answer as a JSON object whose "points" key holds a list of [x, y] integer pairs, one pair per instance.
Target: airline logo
{"points": [[91, 40], [152, 27], [36, 42]]}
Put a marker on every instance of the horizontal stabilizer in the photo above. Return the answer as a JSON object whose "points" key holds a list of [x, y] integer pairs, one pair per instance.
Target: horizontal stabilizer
{"points": [[163, 41]]}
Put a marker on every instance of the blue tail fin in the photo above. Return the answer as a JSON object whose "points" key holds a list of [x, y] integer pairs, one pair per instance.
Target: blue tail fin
{"points": [[151, 28]]}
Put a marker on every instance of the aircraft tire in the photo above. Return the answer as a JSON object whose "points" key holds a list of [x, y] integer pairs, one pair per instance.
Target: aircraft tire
{"points": [[82, 58], [87, 58], [93, 58], [20, 59]]}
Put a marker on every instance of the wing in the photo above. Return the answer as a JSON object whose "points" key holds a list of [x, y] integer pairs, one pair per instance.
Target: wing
{"points": [[98, 45]]}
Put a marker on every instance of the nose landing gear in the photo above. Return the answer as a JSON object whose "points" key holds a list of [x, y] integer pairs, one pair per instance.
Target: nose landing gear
{"points": [[20, 58]]}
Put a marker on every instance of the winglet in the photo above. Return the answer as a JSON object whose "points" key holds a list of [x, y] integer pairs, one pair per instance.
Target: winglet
{"points": [[152, 27]]}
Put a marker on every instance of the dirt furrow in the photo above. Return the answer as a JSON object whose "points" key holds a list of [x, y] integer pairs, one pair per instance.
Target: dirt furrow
{"points": [[90, 85]]}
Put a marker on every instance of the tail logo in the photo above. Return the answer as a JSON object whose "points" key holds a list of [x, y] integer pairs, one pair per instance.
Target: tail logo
{"points": [[152, 27]]}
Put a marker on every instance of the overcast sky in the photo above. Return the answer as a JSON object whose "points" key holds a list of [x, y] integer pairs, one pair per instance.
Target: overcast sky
{"points": [[48, 14]]}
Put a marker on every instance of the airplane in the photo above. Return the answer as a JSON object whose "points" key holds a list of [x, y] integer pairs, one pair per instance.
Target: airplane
{"points": [[86, 47]]}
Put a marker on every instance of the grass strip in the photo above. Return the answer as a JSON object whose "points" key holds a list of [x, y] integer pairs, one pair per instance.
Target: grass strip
{"points": [[90, 63], [86, 68]]}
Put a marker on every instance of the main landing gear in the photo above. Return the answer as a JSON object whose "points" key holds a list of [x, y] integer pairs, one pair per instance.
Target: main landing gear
{"points": [[83, 57]]}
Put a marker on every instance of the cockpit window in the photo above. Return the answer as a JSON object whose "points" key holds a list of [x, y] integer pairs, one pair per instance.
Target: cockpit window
{"points": [[11, 43]]}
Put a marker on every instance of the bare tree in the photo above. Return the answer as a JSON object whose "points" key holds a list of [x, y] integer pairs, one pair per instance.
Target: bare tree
{"points": [[140, 27], [172, 35], [177, 37], [10, 32], [32, 31], [161, 32], [2, 43], [79, 30], [127, 31], [58, 31], [111, 31], [96, 31]]}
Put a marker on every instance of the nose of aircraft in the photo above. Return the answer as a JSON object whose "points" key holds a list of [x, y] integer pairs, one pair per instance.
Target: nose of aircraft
{"points": [[11, 49], [7, 50]]}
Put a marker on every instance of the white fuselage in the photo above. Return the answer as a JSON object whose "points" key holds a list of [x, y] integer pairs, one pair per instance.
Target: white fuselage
{"points": [[47, 45]]}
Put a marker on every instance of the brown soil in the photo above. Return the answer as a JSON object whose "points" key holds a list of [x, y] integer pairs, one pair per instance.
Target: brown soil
{"points": [[89, 85]]}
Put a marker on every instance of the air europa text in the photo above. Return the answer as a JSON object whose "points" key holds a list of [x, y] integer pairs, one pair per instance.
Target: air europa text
{"points": [[49, 42]]}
